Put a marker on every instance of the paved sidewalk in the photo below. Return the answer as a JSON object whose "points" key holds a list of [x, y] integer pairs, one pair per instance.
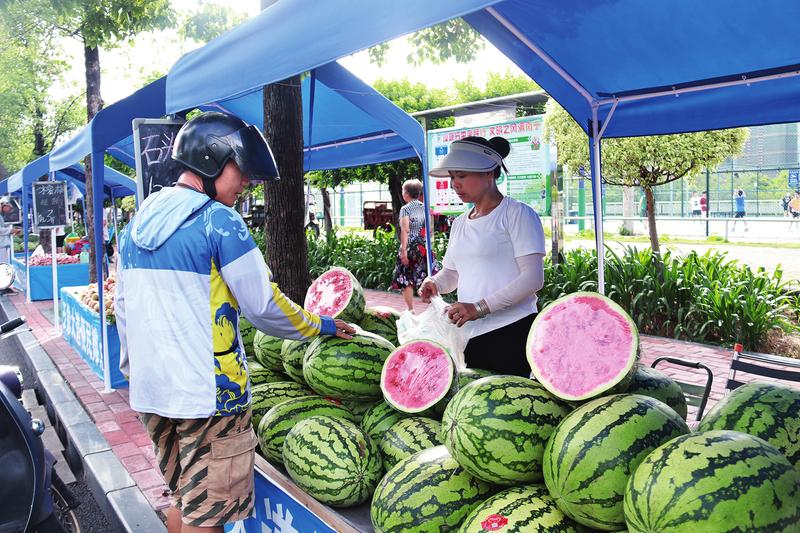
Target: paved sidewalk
{"points": [[127, 438]]}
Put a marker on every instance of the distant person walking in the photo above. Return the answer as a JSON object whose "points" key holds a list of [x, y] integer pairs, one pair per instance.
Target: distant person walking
{"points": [[738, 200], [785, 203], [694, 203]]}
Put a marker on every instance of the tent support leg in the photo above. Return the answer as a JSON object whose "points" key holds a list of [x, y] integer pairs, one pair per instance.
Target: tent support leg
{"points": [[597, 200]]}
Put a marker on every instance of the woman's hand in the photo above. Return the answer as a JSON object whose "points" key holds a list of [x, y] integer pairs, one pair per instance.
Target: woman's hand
{"points": [[427, 290], [344, 330], [461, 313], [403, 257]]}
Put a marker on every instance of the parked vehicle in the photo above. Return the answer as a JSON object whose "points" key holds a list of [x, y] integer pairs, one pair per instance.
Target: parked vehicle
{"points": [[34, 497]]}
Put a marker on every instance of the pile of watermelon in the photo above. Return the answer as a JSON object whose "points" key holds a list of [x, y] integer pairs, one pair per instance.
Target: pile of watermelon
{"points": [[592, 442]]}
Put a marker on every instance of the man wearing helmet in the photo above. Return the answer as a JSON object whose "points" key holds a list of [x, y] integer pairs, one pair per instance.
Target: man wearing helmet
{"points": [[188, 269]]}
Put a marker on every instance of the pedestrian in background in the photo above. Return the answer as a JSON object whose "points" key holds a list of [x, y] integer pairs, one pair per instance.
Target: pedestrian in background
{"points": [[794, 209], [785, 203], [738, 200]]}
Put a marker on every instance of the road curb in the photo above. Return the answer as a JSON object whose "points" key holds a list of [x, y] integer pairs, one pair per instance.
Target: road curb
{"points": [[86, 449]]}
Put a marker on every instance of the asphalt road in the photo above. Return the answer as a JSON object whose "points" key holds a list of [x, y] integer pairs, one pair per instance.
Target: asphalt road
{"points": [[90, 517]]}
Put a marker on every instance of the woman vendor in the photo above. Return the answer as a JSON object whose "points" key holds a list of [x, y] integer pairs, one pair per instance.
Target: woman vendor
{"points": [[494, 258]]}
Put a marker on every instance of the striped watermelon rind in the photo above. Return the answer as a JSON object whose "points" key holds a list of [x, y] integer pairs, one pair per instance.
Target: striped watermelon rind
{"points": [[714, 482], [565, 341], [407, 437], [656, 384], [267, 350], [338, 294], [594, 450], [766, 410], [347, 369], [464, 377], [417, 375], [247, 332], [292, 355], [381, 416], [333, 460], [265, 396], [381, 320], [358, 408], [259, 375], [526, 508], [278, 421], [497, 428], [428, 491]]}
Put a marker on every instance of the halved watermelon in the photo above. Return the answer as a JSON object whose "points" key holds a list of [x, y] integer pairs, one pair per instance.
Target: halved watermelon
{"points": [[338, 294], [417, 375], [582, 345]]}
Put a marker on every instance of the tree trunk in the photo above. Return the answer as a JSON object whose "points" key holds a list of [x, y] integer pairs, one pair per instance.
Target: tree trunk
{"points": [[284, 209], [38, 151], [94, 103], [326, 209], [628, 208], [3, 171], [396, 192], [651, 223]]}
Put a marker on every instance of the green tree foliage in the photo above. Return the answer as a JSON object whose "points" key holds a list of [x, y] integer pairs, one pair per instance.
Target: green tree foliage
{"points": [[452, 39], [644, 162], [32, 121], [209, 21], [96, 24]]}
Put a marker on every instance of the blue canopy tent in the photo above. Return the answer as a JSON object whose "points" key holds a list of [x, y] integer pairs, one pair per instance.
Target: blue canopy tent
{"points": [[620, 68]]}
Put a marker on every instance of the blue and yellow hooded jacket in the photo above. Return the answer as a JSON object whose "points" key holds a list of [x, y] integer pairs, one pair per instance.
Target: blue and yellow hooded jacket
{"points": [[188, 269]]}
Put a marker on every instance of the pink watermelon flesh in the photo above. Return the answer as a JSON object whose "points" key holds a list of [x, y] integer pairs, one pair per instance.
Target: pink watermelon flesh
{"points": [[582, 345], [416, 376], [330, 293]]}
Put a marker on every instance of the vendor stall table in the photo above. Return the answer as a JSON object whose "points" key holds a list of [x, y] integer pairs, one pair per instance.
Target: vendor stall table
{"points": [[42, 278], [81, 329], [280, 505]]}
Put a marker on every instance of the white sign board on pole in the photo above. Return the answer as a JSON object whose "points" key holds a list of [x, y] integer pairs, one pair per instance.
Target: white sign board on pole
{"points": [[528, 163]]}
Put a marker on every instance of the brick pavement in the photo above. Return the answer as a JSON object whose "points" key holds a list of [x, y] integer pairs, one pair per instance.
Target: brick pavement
{"points": [[121, 427]]}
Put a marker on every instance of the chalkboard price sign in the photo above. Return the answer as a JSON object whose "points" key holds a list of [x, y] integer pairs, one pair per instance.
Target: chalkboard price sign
{"points": [[152, 142], [49, 204]]}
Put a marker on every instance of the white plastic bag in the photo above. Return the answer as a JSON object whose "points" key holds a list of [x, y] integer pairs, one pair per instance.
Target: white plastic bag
{"points": [[434, 325]]}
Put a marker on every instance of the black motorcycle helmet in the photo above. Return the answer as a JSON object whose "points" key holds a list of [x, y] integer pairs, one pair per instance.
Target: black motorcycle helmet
{"points": [[207, 142]]}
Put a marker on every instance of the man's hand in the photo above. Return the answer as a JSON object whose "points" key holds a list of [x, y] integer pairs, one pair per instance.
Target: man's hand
{"points": [[344, 330], [428, 289], [461, 313]]}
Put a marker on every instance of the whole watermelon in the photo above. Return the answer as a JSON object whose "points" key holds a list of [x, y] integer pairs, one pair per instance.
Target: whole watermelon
{"points": [[407, 437], [520, 509], [332, 460], [582, 345], [766, 410], [267, 350], [381, 320], [258, 374], [277, 422], [246, 333], [594, 450], [380, 417], [292, 355], [497, 428], [347, 369], [337, 294], [265, 396], [427, 492], [714, 482], [656, 384]]}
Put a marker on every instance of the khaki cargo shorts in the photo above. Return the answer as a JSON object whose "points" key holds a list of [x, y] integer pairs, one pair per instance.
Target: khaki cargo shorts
{"points": [[207, 464]]}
